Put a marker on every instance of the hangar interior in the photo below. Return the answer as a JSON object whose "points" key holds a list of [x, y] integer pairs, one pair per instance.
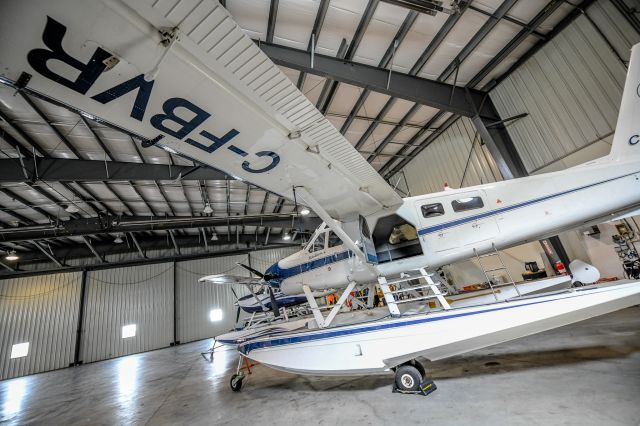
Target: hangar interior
{"points": [[103, 241]]}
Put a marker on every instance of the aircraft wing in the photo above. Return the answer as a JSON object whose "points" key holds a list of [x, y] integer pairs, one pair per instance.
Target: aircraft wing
{"points": [[224, 279], [183, 74]]}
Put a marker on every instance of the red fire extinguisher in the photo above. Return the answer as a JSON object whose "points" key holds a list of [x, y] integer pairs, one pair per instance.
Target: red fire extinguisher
{"points": [[560, 268]]}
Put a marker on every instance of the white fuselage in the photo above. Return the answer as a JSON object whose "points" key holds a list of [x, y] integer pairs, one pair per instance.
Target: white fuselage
{"points": [[514, 212]]}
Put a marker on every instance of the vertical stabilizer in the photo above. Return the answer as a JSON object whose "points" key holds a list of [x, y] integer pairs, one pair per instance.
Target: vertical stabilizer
{"points": [[626, 141]]}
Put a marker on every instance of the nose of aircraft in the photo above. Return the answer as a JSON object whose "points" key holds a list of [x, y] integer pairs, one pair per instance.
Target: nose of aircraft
{"points": [[273, 275]]}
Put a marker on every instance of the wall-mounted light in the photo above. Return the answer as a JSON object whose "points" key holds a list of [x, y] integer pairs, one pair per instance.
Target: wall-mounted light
{"points": [[305, 211], [215, 315], [128, 330], [19, 350]]}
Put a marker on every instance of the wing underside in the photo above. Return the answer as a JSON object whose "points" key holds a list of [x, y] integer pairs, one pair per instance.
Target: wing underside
{"points": [[187, 77]]}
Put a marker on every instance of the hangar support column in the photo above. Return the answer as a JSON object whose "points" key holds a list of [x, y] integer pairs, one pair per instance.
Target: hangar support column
{"points": [[500, 145]]}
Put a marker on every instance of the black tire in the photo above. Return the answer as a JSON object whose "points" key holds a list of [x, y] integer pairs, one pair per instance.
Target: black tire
{"points": [[236, 382], [408, 378]]}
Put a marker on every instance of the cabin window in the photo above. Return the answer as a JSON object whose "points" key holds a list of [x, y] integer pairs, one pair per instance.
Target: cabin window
{"points": [[469, 203], [431, 210]]}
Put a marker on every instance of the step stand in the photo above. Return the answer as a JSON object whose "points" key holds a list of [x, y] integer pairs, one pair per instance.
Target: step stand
{"points": [[390, 296], [494, 252], [320, 319]]}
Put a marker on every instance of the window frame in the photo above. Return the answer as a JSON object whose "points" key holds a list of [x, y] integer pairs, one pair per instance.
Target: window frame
{"points": [[440, 212], [471, 202], [312, 243]]}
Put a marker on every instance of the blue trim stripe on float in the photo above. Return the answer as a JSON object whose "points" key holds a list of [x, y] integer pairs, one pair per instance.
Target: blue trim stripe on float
{"points": [[457, 222], [248, 347]]}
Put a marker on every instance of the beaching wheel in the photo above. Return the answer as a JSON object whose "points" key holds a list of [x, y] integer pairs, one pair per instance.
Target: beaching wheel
{"points": [[408, 378]]}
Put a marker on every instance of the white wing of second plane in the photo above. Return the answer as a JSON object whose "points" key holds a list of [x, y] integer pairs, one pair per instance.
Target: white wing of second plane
{"points": [[224, 279], [183, 74]]}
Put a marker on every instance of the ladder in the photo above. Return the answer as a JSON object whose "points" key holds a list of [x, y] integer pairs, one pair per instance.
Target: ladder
{"points": [[407, 292], [494, 252]]}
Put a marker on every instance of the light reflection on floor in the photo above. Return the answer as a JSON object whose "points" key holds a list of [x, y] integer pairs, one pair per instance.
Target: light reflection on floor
{"points": [[127, 370], [16, 390]]}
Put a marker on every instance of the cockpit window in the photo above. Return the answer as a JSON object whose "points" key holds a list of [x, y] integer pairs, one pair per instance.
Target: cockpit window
{"points": [[333, 240], [469, 203], [318, 243], [402, 233]]}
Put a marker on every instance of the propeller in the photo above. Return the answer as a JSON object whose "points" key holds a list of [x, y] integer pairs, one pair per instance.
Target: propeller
{"points": [[274, 304], [238, 310], [266, 277]]}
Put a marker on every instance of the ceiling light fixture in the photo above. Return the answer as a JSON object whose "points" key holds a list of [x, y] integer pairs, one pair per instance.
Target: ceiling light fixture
{"points": [[207, 209], [12, 256], [305, 211], [118, 239], [214, 237], [286, 237], [71, 208]]}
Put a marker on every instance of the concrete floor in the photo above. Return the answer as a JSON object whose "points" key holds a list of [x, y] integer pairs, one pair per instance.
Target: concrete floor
{"points": [[586, 373]]}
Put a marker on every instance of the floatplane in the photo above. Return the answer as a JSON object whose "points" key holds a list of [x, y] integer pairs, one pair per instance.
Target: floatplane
{"points": [[183, 76]]}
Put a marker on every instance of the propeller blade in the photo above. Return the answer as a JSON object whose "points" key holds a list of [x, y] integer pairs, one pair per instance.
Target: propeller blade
{"points": [[250, 269], [274, 303]]}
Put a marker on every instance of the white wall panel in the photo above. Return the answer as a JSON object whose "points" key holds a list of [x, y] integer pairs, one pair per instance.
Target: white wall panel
{"points": [[141, 295], [41, 310], [571, 89], [196, 300], [446, 158]]}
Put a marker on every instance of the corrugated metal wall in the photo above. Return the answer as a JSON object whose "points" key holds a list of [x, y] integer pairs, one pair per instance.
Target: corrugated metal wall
{"points": [[141, 295], [571, 88], [456, 157], [196, 300], [44, 312]]}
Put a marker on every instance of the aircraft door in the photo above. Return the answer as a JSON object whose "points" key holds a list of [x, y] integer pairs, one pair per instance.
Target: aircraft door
{"points": [[456, 220], [435, 214], [476, 225]]}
